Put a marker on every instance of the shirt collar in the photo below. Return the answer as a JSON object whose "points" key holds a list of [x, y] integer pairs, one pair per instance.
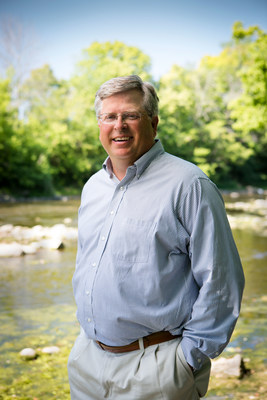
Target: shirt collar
{"points": [[107, 166], [142, 163]]}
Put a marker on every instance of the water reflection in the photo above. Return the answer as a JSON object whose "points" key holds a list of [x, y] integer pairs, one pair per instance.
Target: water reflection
{"points": [[35, 281], [252, 250], [41, 213]]}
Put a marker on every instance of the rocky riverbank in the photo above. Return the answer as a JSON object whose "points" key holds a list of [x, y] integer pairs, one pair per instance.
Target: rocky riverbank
{"points": [[249, 214], [20, 240]]}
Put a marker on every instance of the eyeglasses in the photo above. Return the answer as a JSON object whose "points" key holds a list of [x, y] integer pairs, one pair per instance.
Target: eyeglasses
{"points": [[128, 117]]}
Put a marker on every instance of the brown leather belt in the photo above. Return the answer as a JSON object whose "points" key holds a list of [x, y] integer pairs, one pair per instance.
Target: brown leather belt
{"points": [[154, 338]]}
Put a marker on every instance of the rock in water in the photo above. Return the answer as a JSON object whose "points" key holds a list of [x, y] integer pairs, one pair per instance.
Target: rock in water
{"points": [[28, 353], [229, 367], [53, 244], [10, 250], [50, 350]]}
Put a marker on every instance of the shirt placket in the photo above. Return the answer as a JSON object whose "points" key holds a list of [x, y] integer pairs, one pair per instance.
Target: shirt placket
{"points": [[95, 262]]}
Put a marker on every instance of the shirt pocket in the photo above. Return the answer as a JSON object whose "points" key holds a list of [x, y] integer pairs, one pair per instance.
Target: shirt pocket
{"points": [[131, 240]]}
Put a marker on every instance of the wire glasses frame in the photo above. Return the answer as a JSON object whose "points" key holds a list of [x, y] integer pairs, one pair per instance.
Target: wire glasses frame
{"points": [[127, 117]]}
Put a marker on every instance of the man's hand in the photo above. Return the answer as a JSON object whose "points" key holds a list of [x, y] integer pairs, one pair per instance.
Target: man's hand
{"points": [[190, 366]]}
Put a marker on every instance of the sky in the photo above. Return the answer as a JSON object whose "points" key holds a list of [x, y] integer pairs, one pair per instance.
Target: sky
{"points": [[168, 31]]}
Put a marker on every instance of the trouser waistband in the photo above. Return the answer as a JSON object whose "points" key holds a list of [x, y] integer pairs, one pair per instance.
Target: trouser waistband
{"points": [[146, 341]]}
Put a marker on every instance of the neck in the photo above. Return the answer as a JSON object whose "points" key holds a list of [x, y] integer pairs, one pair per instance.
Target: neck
{"points": [[120, 170]]}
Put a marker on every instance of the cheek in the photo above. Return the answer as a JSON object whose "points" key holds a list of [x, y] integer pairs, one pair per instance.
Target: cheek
{"points": [[104, 133], [102, 138]]}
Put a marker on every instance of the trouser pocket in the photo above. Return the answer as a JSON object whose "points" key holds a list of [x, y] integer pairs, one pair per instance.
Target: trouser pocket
{"points": [[201, 376]]}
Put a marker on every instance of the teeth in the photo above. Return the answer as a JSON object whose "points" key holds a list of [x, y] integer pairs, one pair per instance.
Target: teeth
{"points": [[122, 139]]}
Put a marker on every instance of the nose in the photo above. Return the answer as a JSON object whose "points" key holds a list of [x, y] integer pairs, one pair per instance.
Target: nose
{"points": [[120, 123]]}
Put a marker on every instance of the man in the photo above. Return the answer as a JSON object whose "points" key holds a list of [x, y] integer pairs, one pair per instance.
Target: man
{"points": [[158, 280]]}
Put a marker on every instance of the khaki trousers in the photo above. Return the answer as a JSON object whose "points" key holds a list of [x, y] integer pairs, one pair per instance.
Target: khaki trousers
{"points": [[159, 372]]}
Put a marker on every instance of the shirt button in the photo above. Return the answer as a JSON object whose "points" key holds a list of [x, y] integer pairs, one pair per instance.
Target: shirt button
{"points": [[103, 238], [93, 264], [87, 292], [122, 188], [88, 319], [111, 212], [199, 360]]}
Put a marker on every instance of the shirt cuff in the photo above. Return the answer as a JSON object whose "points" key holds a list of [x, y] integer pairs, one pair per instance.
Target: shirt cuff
{"points": [[193, 356]]}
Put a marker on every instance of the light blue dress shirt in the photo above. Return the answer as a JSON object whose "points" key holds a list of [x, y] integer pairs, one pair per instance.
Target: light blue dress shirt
{"points": [[155, 252]]}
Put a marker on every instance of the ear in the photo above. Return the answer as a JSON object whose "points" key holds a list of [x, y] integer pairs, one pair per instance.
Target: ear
{"points": [[154, 123]]}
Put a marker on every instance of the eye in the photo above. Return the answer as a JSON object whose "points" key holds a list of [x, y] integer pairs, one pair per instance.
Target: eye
{"points": [[131, 116], [110, 117]]}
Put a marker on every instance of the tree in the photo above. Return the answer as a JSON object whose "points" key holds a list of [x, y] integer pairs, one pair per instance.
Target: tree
{"points": [[21, 169], [18, 48], [47, 114], [249, 110], [60, 115], [177, 112], [216, 114], [100, 62]]}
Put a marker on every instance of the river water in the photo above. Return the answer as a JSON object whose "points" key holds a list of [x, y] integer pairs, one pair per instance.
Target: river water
{"points": [[36, 298]]}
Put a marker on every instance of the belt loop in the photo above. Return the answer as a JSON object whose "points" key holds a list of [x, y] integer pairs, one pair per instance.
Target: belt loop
{"points": [[141, 344]]}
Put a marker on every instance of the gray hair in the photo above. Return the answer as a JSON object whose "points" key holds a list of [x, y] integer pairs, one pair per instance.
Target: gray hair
{"points": [[123, 84]]}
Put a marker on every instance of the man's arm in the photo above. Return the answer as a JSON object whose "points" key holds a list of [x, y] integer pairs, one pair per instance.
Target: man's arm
{"points": [[217, 270]]}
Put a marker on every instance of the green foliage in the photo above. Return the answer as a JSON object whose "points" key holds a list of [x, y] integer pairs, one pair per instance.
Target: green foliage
{"points": [[249, 110], [50, 115], [22, 169], [214, 115]]}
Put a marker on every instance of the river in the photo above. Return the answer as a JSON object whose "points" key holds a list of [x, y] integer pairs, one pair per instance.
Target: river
{"points": [[36, 300]]}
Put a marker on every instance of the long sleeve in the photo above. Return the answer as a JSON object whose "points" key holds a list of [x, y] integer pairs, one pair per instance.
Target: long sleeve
{"points": [[217, 270]]}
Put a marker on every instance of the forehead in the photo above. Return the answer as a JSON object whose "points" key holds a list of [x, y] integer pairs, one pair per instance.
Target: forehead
{"points": [[125, 101]]}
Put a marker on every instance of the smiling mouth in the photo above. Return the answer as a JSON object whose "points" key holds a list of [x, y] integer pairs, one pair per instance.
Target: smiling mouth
{"points": [[122, 139]]}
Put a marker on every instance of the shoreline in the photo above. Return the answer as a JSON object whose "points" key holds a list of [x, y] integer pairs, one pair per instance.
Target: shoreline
{"points": [[10, 199]]}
